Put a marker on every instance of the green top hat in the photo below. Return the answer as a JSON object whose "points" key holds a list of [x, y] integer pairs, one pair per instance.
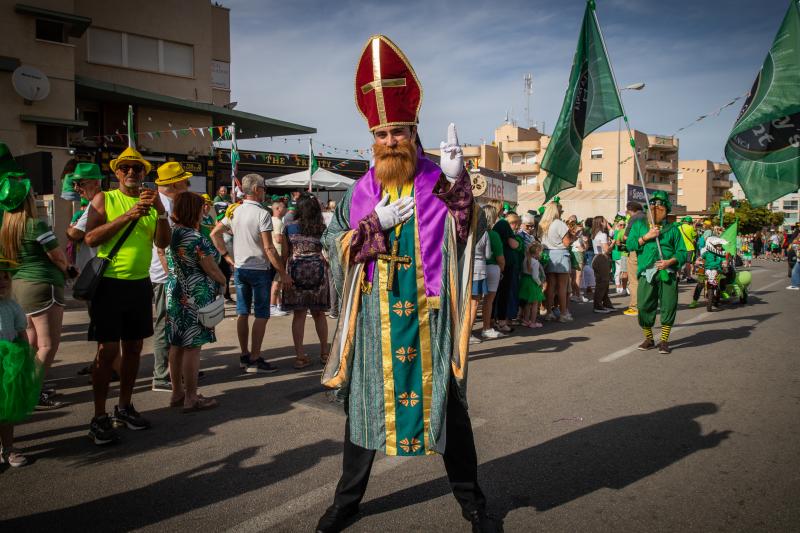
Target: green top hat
{"points": [[13, 192], [8, 166], [663, 197]]}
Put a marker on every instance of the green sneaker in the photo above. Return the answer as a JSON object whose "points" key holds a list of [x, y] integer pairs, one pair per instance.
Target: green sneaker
{"points": [[693, 304]]}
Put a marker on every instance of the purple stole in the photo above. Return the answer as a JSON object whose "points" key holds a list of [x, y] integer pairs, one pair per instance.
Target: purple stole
{"points": [[429, 210]]}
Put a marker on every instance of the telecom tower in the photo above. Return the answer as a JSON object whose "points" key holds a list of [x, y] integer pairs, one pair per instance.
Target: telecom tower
{"points": [[528, 79]]}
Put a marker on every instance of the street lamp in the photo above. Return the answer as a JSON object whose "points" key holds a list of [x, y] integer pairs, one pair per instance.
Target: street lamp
{"points": [[632, 87]]}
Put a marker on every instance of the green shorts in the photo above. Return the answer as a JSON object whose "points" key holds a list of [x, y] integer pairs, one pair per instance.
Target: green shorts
{"points": [[36, 296]]}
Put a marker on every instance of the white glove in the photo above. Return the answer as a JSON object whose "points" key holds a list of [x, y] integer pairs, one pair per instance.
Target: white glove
{"points": [[395, 213], [451, 156]]}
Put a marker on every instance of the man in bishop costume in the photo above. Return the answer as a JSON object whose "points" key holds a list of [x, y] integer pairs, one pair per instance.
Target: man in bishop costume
{"points": [[400, 244]]}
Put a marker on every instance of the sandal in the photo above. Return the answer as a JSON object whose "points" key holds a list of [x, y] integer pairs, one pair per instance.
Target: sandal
{"points": [[178, 402], [323, 358], [301, 362], [201, 404]]}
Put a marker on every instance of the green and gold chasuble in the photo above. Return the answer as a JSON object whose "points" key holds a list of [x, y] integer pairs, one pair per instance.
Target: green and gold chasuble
{"points": [[395, 352], [406, 344]]}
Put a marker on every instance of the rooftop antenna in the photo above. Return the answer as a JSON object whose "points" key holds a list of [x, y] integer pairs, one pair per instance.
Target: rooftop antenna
{"points": [[528, 79]]}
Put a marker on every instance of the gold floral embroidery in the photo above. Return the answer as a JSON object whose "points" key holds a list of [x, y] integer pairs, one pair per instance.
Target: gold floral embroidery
{"points": [[406, 354], [399, 308], [408, 399], [410, 445]]}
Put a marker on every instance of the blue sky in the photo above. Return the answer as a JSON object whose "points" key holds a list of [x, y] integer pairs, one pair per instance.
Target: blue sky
{"points": [[295, 61]]}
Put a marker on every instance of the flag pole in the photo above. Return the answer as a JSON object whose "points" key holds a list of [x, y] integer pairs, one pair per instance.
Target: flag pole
{"points": [[131, 142], [630, 133], [234, 160], [310, 164]]}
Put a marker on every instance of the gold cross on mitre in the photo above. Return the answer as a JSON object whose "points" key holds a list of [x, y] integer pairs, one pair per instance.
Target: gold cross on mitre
{"points": [[394, 261], [377, 84]]}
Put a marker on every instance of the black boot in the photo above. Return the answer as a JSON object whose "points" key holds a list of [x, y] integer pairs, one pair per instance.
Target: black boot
{"points": [[481, 522], [335, 519]]}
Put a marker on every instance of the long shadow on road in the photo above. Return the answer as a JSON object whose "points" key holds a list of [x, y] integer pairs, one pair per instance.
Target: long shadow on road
{"points": [[210, 483], [611, 454]]}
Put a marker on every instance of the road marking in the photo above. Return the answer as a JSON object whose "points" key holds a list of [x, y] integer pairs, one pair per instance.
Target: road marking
{"points": [[625, 351], [301, 504]]}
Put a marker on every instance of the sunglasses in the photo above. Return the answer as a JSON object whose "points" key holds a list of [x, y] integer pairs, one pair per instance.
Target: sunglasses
{"points": [[658, 203], [125, 168]]}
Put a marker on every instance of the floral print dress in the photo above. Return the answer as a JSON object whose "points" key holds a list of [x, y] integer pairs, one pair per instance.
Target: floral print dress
{"points": [[188, 288]]}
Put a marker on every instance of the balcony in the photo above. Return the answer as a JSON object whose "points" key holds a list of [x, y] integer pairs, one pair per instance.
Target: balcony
{"points": [[662, 142], [521, 168], [722, 168], [660, 186], [521, 146], [724, 184], [663, 166]]}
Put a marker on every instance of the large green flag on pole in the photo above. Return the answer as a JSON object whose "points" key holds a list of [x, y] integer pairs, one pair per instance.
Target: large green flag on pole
{"points": [[591, 101], [763, 148]]}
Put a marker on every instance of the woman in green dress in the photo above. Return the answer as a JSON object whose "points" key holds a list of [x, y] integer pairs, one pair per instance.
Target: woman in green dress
{"points": [[194, 281]]}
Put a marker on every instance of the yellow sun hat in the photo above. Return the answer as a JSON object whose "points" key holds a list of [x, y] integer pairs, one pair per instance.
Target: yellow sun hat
{"points": [[131, 155], [172, 172]]}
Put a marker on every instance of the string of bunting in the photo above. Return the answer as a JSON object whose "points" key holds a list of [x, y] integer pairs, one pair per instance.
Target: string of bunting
{"points": [[714, 113], [222, 132]]}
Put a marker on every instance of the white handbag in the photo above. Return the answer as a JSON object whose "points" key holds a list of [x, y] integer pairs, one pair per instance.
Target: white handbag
{"points": [[212, 314]]}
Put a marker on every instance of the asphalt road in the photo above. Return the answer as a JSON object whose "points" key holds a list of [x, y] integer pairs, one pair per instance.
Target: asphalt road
{"points": [[575, 431]]}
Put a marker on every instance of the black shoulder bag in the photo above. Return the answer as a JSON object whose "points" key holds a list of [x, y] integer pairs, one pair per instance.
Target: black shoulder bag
{"points": [[92, 273]]}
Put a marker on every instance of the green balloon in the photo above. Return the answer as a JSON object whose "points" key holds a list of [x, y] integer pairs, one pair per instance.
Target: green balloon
{"points": [[744, 278]]}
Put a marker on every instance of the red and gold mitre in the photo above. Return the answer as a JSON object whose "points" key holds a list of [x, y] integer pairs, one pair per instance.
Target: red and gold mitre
{"points": [[388, 92]]}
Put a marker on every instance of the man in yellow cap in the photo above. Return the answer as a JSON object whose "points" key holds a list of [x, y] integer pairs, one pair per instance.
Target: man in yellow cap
{"points": [[172, 179], [121, 309]]}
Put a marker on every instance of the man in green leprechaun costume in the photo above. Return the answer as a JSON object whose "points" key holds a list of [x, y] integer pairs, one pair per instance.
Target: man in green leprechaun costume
{"points": [[661, 253]]}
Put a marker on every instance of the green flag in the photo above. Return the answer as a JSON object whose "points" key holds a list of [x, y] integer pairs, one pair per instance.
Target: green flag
{"points": [[730, 236], [591, 101], [312, 164], [763, 148]]}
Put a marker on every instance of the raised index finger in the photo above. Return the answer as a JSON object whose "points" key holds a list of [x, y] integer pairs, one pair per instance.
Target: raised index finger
{"points": [[452, 136]]}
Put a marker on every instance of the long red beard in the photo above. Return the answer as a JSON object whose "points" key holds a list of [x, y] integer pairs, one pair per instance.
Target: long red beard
{"points": [[394, 167]]}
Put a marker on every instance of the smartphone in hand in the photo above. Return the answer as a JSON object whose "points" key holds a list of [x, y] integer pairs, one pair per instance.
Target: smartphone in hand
{"points": [[149, 186]]}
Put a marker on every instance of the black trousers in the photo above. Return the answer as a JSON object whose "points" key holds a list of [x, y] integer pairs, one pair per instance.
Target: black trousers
{"points": [[460, 462]]}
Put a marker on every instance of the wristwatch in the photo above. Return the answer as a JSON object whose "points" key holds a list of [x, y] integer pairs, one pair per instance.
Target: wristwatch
{"points": [[162, 216]]}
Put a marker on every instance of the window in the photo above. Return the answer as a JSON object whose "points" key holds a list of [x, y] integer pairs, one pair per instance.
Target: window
{"points": [[680, 191], [680, 175], [142, 53], [105, 47], [597, 153], [530, 158], [47, 135], [178, 58], [48, 30], [596, 177], [790, 205], [138, 52], [516, 159]]}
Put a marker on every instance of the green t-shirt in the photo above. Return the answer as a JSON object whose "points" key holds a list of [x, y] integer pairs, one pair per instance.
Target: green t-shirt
{"points": [[496, 245], [712, 261], [35, 265], [616, 253], [670, 239], [133, 259]]}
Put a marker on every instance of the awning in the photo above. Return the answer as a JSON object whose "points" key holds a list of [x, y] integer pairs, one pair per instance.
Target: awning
{"points": [[323, 180], [53, 121], [248, 125], [75, 24]]}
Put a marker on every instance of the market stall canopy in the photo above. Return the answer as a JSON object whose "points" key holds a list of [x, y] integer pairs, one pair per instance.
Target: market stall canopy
{"points": [[323, 179], [248, 124]]}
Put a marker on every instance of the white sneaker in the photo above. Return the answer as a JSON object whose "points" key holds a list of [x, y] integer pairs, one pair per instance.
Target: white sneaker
{"points": [[274, 310], [474, 340], [565, 318], [793, 288], [620, 291], [602, 310], [550, 317], [13, 458], [491, 333]]}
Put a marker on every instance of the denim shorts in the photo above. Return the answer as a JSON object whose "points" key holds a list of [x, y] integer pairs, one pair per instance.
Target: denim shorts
{"points": [[479, 287], [559, 262], [253, 288]]}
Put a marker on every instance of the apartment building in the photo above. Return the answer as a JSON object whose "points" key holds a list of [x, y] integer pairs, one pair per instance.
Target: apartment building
{"points": [[607, 169], [789, 205], [169, 59], [701, 183]]}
